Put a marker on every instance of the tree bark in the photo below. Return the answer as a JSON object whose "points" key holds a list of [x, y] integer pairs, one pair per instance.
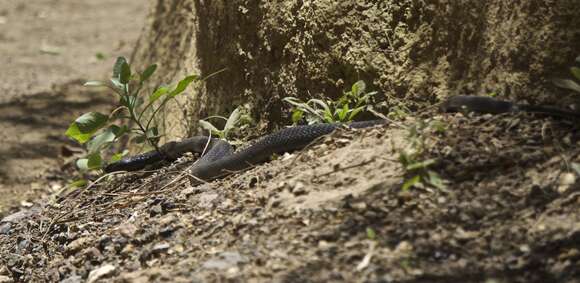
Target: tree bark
{"points": [[413, 52]]}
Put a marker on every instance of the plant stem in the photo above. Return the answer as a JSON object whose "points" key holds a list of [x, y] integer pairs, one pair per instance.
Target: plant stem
{"points": [[143, 129]]}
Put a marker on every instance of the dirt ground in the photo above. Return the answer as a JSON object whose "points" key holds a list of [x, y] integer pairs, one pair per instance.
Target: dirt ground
{"points": [[50, 48], [334, 212]]}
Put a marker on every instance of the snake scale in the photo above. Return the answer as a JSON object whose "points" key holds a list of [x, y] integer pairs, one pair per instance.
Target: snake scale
{"points": [[220, 159]]}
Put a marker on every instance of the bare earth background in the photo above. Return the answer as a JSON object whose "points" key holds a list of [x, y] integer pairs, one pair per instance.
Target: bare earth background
{"points": [[49, 48]]}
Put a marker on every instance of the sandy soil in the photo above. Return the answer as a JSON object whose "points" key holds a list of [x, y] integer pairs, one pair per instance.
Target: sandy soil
{"points": [[333, 212], [49, 49]]}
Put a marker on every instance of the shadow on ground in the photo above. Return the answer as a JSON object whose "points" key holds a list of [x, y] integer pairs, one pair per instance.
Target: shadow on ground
{"points": [[33, 131]]}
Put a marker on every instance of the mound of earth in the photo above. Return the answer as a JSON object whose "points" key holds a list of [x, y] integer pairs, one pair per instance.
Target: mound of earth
{"points": [[332, 212]]}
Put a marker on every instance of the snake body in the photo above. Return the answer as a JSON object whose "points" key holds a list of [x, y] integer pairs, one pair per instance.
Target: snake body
{"points": [[220, 159]]}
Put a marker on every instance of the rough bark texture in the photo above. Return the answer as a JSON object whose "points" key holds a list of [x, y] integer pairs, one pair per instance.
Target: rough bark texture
{"points": [[414, 52]]}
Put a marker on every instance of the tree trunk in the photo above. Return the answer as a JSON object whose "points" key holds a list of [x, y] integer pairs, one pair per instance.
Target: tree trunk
{"points": [[412, 52]]}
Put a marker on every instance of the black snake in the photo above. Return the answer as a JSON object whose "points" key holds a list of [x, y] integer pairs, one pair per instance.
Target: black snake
{"points": [[220, 159]]}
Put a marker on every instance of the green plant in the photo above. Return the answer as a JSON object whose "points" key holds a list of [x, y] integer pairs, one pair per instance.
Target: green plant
{"points": [[345, 109], [232, 122], [100, 56], [571, 84], [371, 234], [98, 131], [398, 112], [417, 169]]}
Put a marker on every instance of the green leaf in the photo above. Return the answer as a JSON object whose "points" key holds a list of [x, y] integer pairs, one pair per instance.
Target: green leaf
{"points": [[99, 141], [95, 161], [158, 93], [232, 120], [358, 88], [113, 85], [420, 165], [119, 131], [371, 234], [404, 158], [148, 72], [438, 126], [152, 133], [576, 168], [411, 182], [370, 94], [139, 139], [83, 128], [95, 83], [125, 75], [343, 112], [182, 85], [328, 117], [117, 84], [91, 122], [576, 72], [297, 116], [130, 101], [304, 107], [83, 164], [119, 156], [567, 84], [578, 59], [208, 126], [355, 112], [126, 100], [117, 67], [435, 180], [78, 183], [322, 104], [100, 56], [294, 101]]}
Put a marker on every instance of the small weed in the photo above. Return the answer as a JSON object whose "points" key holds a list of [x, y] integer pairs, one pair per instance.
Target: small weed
{"points": [[233, 122], [398, 112], [572, 83], [345, 109], [100, 56], [417, 169], [98, 131], [371, 234]]}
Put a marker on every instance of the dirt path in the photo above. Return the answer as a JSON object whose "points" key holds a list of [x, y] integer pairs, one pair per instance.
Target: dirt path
{"points": [[49, 49]]}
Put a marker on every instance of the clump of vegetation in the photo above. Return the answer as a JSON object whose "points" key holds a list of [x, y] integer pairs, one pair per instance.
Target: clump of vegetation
{"points": [[417, 169], [134, 115], [345, 109], [237, 120], [231, 122], [571, 83]]}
